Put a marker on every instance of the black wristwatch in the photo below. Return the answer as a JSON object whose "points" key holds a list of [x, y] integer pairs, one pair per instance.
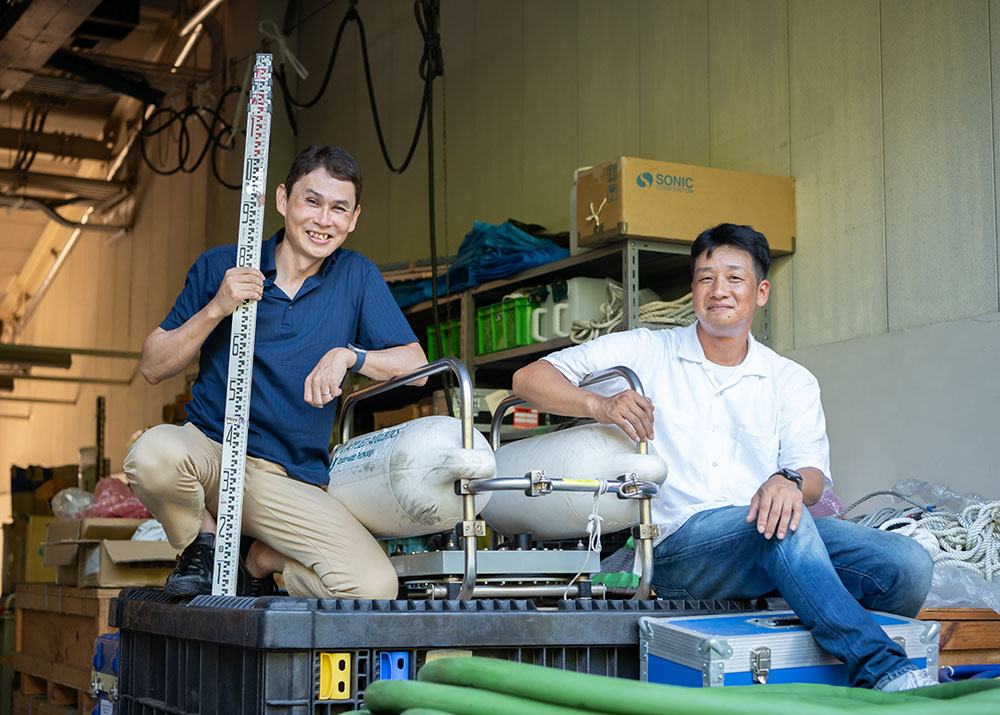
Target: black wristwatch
{"points": [[792, 476], [360, 355]]}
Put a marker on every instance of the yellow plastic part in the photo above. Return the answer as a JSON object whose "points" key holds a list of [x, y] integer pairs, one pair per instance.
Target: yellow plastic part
{"points": [[334, 676]]}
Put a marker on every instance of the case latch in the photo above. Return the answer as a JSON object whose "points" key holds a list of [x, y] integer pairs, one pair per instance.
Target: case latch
{"points": [[760, 664]]}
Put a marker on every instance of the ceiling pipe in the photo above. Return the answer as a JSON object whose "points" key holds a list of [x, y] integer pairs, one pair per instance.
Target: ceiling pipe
{"points": [[199, 16], [23, 202]]}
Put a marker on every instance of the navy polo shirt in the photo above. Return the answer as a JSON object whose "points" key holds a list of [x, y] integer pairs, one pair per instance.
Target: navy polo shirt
{"points": [[347, 301]]}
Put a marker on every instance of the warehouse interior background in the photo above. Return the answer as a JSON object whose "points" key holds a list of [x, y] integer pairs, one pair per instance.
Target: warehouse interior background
{"points": [[882, 112]]}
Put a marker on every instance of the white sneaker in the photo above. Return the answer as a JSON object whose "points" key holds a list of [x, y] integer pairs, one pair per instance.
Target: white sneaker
{"points": [[909, 680]]}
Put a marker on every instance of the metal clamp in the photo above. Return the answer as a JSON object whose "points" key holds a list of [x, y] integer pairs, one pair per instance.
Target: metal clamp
{"points": [[103, 683], [540, 485], [760, 664], [646, 531], [474, 528], [629, 487]]}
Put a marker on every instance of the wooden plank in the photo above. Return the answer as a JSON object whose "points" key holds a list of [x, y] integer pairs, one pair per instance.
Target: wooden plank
{"points": [[62, 673], [835, 124], [969, 657], [938, 118], [63, 599], [24, 703], [61, 694], [59, 638], [44, 707], [41, 30], [966, 635], [958, 614]]}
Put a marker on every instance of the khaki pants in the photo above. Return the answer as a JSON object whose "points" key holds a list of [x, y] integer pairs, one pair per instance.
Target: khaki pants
{"points": [[175, 473]]}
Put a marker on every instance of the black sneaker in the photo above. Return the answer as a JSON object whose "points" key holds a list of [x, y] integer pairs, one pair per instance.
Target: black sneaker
{"points": [[192, 575], [247, 584]]}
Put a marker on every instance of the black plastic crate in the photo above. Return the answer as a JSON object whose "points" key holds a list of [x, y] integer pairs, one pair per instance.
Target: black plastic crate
{"points": [[300, 656]]}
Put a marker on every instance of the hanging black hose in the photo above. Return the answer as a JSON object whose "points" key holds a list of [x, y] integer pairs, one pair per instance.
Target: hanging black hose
{"points": [[219, 134], [428, 14]]}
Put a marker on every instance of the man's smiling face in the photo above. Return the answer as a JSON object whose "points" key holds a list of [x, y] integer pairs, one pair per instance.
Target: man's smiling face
{"points": [[726, 291], [319, 213]]}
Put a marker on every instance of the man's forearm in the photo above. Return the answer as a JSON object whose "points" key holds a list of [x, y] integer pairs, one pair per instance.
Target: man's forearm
{"points": [[166, 352], [393, 362], [546, 388], [812, 485]]}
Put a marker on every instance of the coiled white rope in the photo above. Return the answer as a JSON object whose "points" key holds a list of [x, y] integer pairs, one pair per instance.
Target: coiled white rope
{"points": [[969, 539], [673, 312]]}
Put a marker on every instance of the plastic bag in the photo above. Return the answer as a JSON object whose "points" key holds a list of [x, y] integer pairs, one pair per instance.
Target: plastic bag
{"points": [[113, 498], [150, 530], [941, 496], [828, 505], [954, 587], [71, 503]]}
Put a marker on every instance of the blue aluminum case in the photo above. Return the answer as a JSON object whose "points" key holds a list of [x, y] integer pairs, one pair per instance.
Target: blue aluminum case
{"points": [[768, 646]]}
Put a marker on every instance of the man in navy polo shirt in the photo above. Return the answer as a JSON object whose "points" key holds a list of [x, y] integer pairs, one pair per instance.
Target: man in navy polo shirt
{"points": [[322, 311]]}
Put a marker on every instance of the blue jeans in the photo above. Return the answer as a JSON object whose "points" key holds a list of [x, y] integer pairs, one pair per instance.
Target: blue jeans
{"points": [[828, 570]]}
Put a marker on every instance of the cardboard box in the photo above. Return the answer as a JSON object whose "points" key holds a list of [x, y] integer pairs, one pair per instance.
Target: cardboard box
{"points": [[23, 552], [100, 553], [390, 418], [663, 201]]}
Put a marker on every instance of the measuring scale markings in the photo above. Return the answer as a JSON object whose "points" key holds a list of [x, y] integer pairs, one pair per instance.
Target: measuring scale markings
{"points": [[236, 426]]}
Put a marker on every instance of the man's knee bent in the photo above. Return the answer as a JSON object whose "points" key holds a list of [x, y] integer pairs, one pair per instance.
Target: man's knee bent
{"points": [[378, 581], [153, 460], [912, 571]]}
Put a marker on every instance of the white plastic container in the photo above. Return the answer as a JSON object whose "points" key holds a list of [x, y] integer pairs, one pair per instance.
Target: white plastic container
{"points": [[545, 318], [400, 481], [584, 300], [588, 451]]}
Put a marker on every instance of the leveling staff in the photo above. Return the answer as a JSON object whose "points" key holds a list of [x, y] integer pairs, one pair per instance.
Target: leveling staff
{"points": [[744, 437], [317, 302]]}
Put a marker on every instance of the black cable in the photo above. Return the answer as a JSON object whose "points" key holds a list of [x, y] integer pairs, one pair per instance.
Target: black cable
{"points": [[219, 134]]}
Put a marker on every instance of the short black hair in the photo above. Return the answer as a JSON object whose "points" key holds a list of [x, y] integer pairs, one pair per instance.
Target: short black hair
{"points": [[338, 163], [743, 238]]}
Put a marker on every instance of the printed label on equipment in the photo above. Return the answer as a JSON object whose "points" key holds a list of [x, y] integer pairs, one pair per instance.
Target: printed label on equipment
{"points": [[369, 448], [525, 418]]}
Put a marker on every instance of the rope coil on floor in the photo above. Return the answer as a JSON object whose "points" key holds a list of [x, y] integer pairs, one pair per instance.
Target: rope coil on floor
{"points": [[969, 539]]}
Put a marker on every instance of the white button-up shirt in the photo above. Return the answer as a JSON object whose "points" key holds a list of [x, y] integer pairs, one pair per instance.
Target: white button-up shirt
{"points": [[720, 441]]}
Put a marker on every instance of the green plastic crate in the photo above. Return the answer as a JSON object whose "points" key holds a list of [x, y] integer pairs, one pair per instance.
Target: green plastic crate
{"points": [[503, 325], [451, 334]]}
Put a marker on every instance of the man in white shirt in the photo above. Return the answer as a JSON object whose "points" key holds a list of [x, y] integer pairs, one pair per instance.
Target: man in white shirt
{"points": [[744, 437]]}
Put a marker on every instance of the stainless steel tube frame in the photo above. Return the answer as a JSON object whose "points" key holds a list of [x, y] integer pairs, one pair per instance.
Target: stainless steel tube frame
{"points": [[644, 547], [597, 590], [592, 379], [465, 415], [443, 365]]}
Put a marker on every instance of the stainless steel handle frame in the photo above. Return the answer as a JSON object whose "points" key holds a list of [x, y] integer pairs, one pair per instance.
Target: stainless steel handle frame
{"points": [[465, 416], [644, 547], [443, 365], [592, 379]]}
